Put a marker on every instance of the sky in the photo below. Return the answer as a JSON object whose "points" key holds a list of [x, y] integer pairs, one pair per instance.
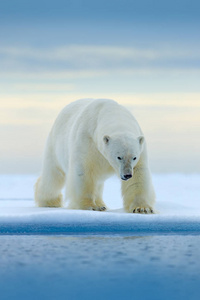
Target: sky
{"points": [[144, 55]]}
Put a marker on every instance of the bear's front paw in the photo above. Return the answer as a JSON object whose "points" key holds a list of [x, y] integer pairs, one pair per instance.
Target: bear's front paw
{"points": [[103, 208], [93, 207], [143, 210]]}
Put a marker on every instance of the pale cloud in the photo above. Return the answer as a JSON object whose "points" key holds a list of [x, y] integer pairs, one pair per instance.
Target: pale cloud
{"points": [[84, 74], [92, 60], [170, 122], [52, 75], [78, 52], [36, 87], [44, 108], [171, 130], [94, 51]]}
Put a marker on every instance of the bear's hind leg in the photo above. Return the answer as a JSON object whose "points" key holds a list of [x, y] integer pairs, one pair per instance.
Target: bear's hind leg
{"points": [[84, 193], [84, 203], [101, 206], [48, 188]]}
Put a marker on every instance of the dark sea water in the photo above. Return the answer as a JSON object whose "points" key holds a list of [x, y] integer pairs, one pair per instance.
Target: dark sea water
{"points": [[100, 267]]}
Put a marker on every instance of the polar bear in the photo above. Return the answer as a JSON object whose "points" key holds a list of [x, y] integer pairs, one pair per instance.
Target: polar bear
{"points": [[90, 141]]}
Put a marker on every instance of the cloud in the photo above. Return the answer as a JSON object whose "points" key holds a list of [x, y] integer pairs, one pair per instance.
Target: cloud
{"points": [[79, 52], [36, 87], [81, 60], [93, 69]]}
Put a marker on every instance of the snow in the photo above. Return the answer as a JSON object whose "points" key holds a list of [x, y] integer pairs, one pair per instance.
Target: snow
{"points": [[56, 253], [177, 207]]}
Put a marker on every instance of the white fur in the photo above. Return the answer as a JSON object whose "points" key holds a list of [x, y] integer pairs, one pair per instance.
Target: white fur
{"points": [[90, 141]]}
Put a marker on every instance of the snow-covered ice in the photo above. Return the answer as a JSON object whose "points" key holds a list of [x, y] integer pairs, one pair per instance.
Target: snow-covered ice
{"points": [[64, 254], [178, 209]]}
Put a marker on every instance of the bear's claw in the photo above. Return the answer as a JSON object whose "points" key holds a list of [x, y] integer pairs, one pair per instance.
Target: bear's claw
{"points": [[143, 210]]}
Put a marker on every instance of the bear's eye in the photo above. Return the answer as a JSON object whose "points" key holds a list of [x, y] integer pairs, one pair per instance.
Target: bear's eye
{"points": [[134, 158], [119, 158]]}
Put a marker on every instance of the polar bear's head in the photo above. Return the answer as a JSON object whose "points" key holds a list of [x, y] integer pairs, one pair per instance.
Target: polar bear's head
{"points": [[123, 153]]}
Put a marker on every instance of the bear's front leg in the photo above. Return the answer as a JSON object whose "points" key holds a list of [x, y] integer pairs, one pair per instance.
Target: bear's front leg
{"points": [[85, 193], [138, 192]]}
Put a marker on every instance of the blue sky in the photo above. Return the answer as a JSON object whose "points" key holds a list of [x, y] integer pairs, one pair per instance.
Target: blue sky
{"points": [[119, 22], [143, 54], [107, 41], [94, 10]]}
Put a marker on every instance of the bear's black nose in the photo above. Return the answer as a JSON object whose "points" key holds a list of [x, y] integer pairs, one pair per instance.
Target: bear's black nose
{"points": [[127, 176]]}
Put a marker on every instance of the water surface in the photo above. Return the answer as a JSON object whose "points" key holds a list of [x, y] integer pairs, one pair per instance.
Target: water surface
{"points": [[100, 267]]}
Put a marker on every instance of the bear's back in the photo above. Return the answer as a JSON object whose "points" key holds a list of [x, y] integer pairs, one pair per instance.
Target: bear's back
{"points": [[80, 110], [89, 114]]}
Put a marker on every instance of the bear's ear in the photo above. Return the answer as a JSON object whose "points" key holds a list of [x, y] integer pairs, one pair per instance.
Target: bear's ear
{"points": [[106, 139], [141, 140]]}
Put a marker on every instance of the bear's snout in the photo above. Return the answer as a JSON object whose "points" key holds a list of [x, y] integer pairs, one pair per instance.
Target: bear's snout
{"points": [[126, 177]]}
